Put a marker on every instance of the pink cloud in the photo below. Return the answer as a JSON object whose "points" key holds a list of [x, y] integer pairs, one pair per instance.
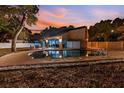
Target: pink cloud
{"points": [[104, 14], [61, 18], [56, 13], [45, 15], [43, 23]]}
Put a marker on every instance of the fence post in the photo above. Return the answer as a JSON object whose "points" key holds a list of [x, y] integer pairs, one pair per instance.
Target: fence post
{"points": [[96, 44], [106, 45], [122, 45]]}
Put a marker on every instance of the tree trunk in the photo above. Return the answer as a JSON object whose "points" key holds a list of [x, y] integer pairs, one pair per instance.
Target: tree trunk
{"points": [[13, 45]]}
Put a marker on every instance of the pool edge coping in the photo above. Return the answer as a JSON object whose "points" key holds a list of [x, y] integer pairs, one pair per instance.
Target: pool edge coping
{"points": [[62, 64]]}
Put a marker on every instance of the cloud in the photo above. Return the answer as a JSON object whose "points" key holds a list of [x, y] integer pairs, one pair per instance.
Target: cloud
{"points": [[51, 17], [55, 13], [60, 17], [43, 23], [100, 14], [63, 16]]}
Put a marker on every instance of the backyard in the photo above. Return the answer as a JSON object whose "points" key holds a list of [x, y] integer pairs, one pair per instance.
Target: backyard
{"points": [[39, 52]]}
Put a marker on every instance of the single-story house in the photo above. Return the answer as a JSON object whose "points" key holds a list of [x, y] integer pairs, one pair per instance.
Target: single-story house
{"points": [[75, 38]]}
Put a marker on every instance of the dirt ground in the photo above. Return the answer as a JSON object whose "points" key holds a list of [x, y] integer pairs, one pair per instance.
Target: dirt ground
{"points": [[94, 76]]}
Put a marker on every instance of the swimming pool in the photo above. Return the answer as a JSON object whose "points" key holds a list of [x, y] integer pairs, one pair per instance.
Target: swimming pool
{"points": [[65, 53]]}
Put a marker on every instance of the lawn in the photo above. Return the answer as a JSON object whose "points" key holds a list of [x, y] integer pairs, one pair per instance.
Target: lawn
{"points": [[8, 50]]}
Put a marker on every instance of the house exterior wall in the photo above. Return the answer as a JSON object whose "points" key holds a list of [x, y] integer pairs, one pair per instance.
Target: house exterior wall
{"points": [[73, 44], [77, 35]]}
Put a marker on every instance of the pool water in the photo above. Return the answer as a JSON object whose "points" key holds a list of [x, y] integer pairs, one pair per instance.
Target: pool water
{"points": [[65, 53]]}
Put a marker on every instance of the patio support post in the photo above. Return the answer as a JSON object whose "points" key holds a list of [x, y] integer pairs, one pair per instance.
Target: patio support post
{"points": [[47, 43], [60, 43], [60, 46]]}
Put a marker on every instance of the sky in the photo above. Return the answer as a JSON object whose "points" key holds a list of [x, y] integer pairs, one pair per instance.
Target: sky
{"points": [[77, 15]]}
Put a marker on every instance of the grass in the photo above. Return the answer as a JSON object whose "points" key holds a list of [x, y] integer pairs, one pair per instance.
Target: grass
{"points": [[8, 50]]}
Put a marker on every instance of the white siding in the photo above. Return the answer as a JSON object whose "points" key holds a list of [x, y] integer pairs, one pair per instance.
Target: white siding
{"points": [[18, 45]]}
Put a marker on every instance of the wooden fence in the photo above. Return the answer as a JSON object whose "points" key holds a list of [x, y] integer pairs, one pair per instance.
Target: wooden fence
{"points": [[119, 45]]}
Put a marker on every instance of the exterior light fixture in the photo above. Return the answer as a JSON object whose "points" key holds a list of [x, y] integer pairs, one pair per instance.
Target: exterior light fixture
{"points": [[60, 40], [87, 39], [46, 41], [112, 31]]}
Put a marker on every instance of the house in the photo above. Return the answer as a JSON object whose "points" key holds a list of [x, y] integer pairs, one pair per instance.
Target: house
{"points": [[62, 38]]}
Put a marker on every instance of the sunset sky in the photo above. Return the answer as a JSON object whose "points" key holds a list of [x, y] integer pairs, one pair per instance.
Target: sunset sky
{"points": [[77, 15]]}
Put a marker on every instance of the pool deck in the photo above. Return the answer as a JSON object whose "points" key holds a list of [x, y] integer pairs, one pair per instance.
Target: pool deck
{"points": [[22, 58]]}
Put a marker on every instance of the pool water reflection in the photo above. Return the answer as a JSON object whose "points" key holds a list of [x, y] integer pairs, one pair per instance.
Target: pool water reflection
{"points": [[65, 53]]}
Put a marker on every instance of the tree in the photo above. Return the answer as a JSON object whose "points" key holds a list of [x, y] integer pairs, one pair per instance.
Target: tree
{"points": [[25, 35], [117, 22], [4, 30], [7, 31], [7, 27], [113, 36], [18, 16], [103, 27], [71, 27]]}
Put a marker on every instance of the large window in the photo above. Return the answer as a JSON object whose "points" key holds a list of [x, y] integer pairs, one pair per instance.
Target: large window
{"points": [[73, 44], [53, 43]]}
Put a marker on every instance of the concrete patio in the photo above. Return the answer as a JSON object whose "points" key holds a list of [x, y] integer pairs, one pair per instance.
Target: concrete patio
{"points": [[22, 58]]}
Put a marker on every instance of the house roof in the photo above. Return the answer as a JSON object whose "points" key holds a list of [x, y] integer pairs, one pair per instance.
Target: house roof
{"points": [[58, 31]]}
